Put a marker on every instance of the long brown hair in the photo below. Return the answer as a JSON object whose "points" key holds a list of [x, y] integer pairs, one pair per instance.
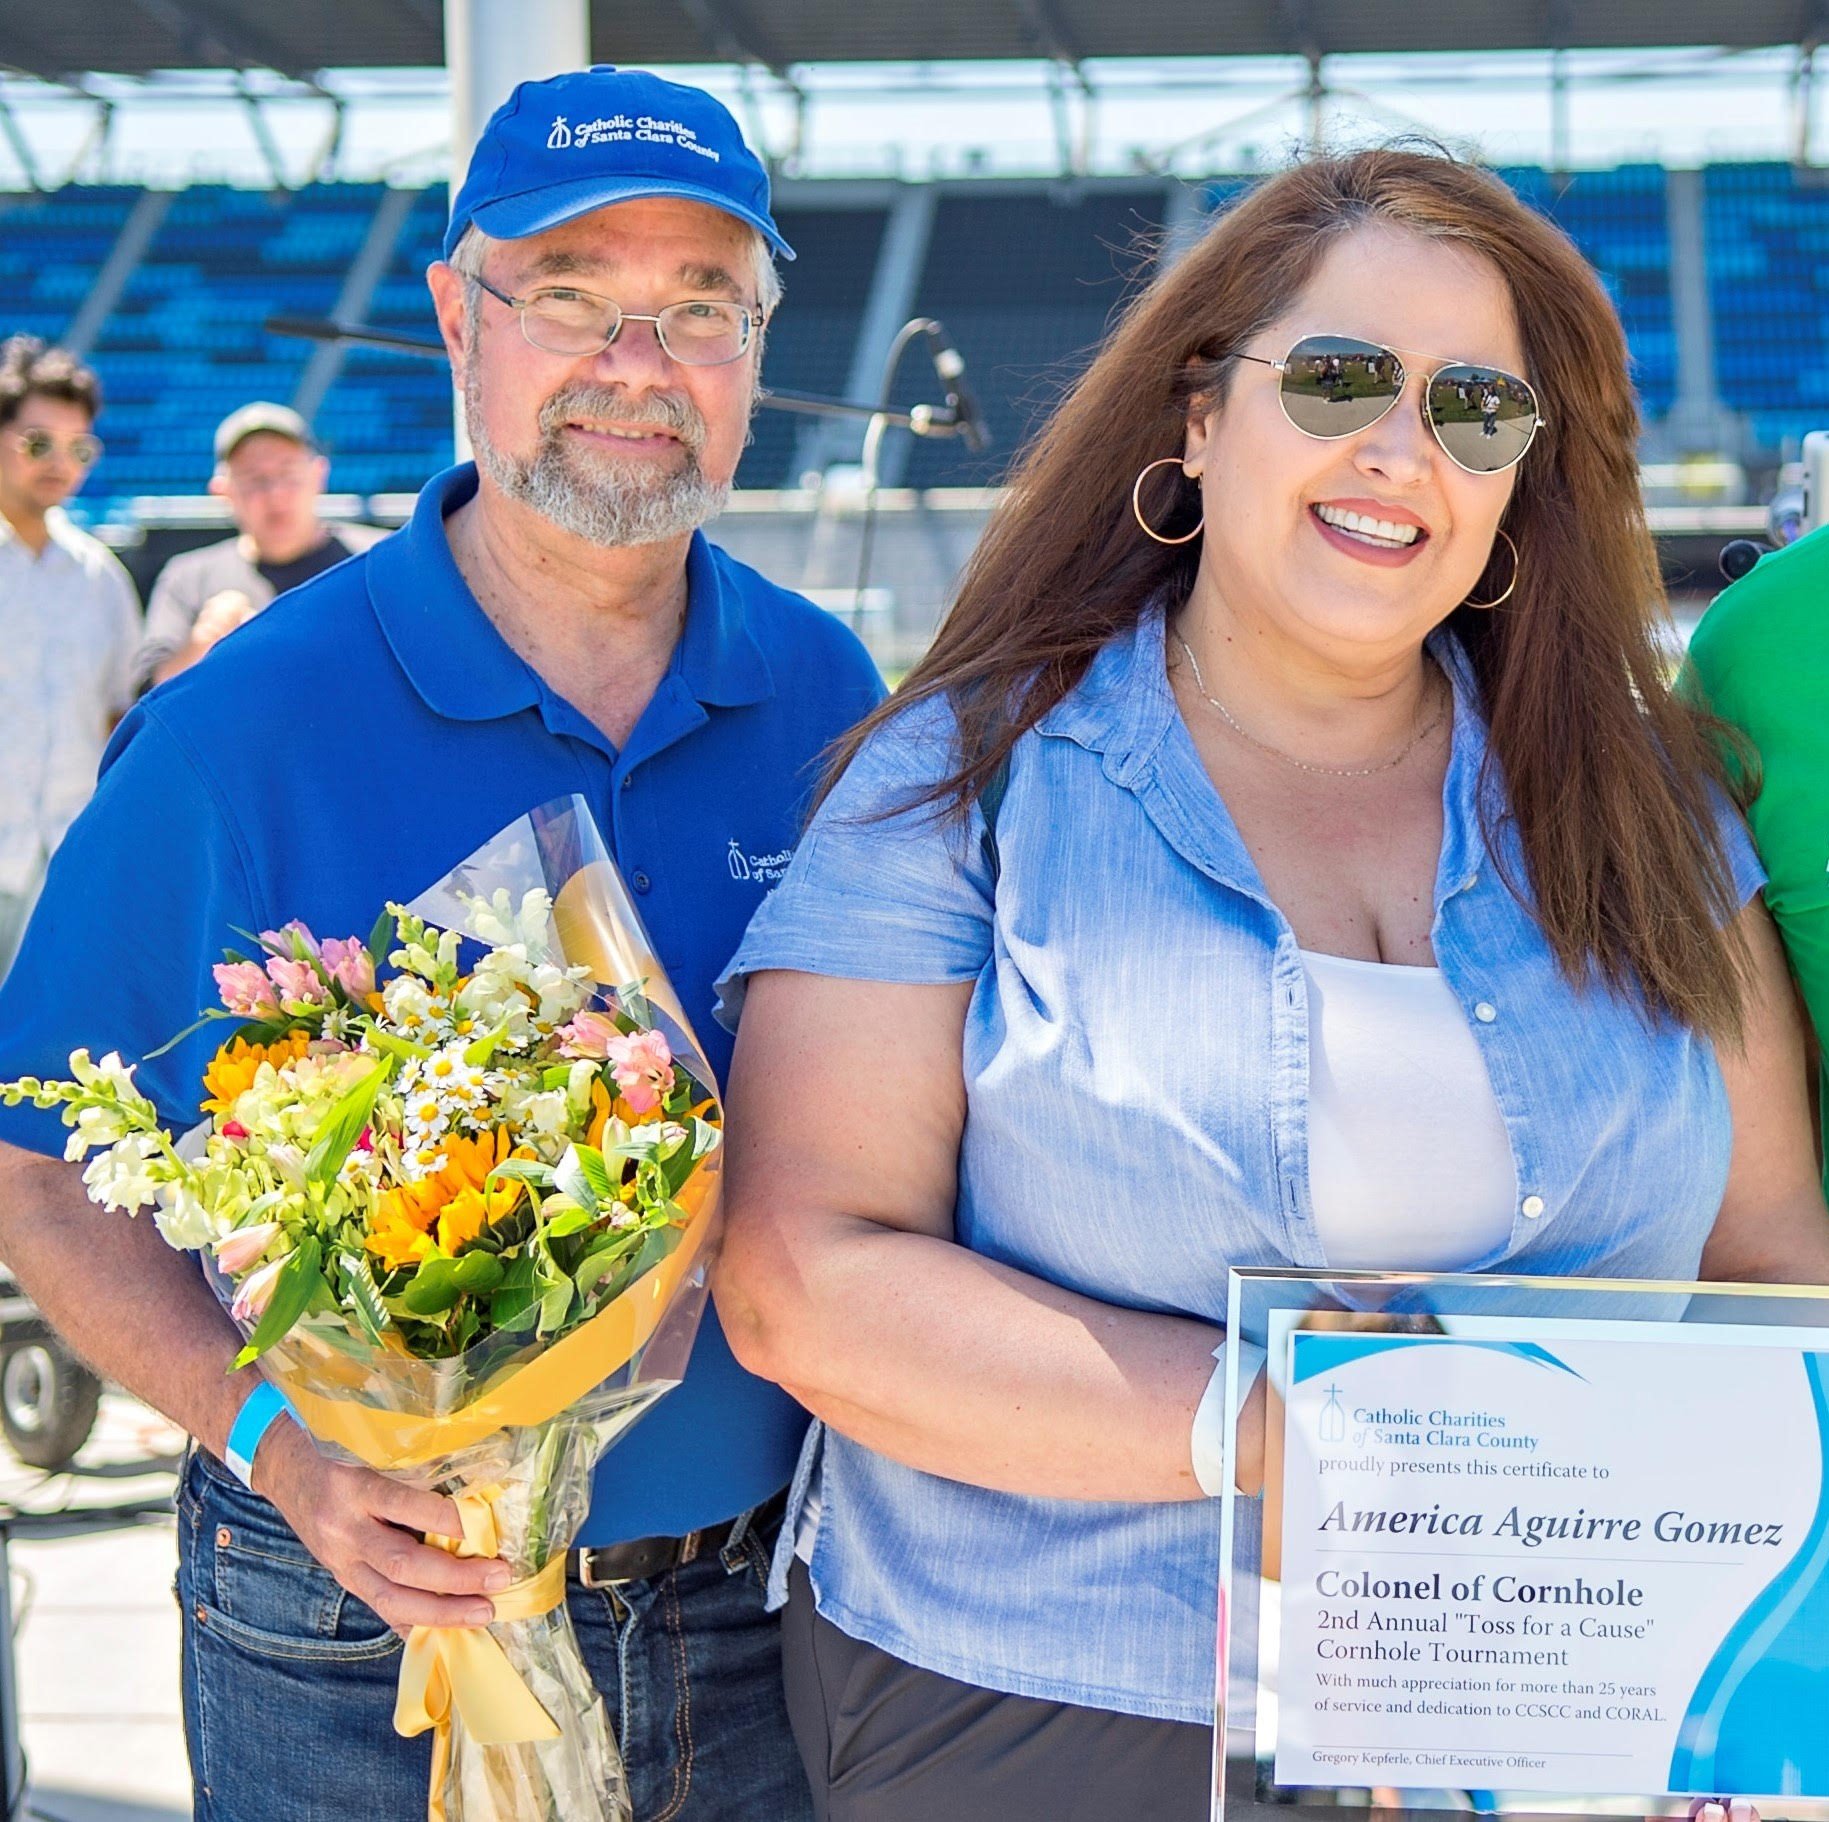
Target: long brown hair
{"points": [[1609, 780]]}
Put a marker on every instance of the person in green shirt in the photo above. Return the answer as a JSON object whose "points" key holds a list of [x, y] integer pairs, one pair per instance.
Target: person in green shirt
{"points": [[1760, 661]]}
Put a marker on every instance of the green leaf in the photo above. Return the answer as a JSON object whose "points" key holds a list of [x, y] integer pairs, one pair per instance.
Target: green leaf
{"points": [[343, 1125], [298, 1282], [391, 1045], [381, 939], [555, 1304], [515, 1301], [433, 1289], [603, 1260], [479, 1053], [364, 1295], [209, 1018], [569, 1221], [521, 1170], [479, 1273], [583, 1175]]}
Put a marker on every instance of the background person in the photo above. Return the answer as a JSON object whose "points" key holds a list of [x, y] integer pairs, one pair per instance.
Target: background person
{"points": [[271, 472], [69, 619], [1760, 660], [1361, 898]]}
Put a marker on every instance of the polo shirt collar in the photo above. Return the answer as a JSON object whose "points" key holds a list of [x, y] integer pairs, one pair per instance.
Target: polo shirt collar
{"points": [[718, 658], [466, 670], [63, 535]]}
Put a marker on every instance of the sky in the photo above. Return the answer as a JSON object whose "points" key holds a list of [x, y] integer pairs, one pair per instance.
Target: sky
{"points": [[1682, 107]]}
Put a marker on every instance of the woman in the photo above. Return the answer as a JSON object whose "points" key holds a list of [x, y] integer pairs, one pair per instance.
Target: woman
{"points": [[1358, 896]]}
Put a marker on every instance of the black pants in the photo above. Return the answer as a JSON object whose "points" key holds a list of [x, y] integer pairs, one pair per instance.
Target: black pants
{"points": [[885, 1742]]}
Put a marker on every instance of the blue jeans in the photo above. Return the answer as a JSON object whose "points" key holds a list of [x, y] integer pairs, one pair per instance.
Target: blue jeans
{"points": [[289, 1681]]}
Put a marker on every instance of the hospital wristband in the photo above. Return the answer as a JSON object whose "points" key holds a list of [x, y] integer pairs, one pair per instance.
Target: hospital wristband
{"points": [[252, 1422], [1208, 1443]]}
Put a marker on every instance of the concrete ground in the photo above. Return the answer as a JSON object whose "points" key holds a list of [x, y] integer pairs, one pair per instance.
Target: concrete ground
{"points": [[96, 1628]]}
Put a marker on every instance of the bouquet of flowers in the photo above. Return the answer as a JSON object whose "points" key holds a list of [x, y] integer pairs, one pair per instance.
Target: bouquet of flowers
{"points": [[456, 1183]]}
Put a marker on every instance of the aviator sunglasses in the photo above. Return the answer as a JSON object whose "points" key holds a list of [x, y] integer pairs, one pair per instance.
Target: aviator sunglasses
{"points": [[1336, 385], [38, 445]]}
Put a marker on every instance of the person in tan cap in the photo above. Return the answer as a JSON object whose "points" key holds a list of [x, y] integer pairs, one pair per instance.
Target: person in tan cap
{"points": [[270, 470]]}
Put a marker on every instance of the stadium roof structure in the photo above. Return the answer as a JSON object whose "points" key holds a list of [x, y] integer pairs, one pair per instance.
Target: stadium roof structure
{"points": [[55, 40]]}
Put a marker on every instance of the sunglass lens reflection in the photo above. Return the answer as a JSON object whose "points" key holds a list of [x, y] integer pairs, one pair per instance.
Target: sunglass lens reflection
{"points": [[1485, 419], [1334, 387]]}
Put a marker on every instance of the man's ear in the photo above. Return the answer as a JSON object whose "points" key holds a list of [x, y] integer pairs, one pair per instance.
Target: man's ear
{"points": [[219, 484], [450, 301]]}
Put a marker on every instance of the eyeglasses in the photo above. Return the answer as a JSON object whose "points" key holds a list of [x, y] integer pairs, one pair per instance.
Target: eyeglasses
{"points": [[1336, 386], [700, 332], [39, 445]]}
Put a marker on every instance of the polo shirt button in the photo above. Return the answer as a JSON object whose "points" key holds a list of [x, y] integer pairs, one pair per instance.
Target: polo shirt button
{"points": [[628, 778], [1531, 1207], [1486, 1012], [640, 881]]}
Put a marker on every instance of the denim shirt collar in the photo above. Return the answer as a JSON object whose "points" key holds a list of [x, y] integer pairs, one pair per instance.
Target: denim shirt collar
{"points": [[463, 667], [1125, 710]]}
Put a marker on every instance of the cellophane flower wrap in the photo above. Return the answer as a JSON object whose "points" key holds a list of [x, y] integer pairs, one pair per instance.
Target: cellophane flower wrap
{"points": [[457, 1183]]}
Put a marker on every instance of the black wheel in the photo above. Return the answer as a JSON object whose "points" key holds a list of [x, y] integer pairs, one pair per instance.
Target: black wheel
{"points": [[47, 1403]]}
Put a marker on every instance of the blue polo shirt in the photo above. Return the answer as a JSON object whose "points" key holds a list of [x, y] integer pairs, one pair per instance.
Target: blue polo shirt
{"points": [[361, 737]]}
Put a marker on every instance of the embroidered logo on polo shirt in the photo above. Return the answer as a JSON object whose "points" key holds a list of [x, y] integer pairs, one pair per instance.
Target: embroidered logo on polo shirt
{"points": [[764, 870]]}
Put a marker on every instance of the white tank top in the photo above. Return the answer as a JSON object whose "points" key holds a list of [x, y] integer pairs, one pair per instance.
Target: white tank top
{"points": [[1409, 1165]]}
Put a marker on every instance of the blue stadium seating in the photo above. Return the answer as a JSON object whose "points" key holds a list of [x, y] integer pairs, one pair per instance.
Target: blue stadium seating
{"points": [[387, 420], [185, 345], [1026, 283], [1026, 277], [1618, 219], [1767, 230]]}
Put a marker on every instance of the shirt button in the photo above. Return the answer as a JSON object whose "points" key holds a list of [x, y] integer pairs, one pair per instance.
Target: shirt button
{"points": [[1486, 1012], [1532, 1207], [640, 881], [627, 780]]}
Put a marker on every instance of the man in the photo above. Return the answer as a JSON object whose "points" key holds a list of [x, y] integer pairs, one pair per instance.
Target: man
{"points": [[551, 621], [69, 619], [270, 471], [1760, 660]]}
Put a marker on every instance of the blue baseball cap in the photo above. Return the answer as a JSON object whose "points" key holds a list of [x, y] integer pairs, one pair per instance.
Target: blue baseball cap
{"points": [[558, 149]]}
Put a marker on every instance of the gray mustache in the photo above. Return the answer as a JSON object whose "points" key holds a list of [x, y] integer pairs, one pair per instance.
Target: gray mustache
{"points": [[664, 409]]}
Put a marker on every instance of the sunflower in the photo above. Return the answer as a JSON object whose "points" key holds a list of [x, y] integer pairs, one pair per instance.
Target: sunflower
{"points": [[232, 1069], [452, 1200]]}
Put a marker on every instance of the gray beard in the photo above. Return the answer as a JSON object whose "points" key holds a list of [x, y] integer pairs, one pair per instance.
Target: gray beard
{"points": [[596, 497]]}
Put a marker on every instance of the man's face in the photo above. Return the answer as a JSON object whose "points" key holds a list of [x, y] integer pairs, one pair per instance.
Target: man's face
{"points": [[628, 445], [42, 452], [273, 486]]}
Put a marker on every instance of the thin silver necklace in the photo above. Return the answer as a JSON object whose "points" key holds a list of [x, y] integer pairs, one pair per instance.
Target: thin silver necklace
{"points": [[1302, 765]]}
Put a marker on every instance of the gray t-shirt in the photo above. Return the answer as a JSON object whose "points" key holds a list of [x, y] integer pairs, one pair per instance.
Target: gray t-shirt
{"points": [[192, 577]]}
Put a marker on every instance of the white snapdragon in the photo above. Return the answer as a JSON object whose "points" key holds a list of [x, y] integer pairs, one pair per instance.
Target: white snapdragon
{"points": [[183, 1217], [95, 1126], [410, 1006], [121, 1177]]}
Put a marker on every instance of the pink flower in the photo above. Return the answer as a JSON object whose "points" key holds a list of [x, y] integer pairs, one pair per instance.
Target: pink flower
{"points": [[256, 1291], [588, 1035], [280, 940], [233, 1129], [297, 982], [349, 964], [245, 989], [237, 1251], [642, 1063]]}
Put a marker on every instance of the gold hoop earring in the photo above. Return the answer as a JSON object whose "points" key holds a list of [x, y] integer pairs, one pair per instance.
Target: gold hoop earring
{"points": [[1136, 505], [1499, 600]]}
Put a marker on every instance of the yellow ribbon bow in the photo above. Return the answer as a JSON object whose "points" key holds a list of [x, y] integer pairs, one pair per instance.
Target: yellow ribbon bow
{"points": [[465, 1668]]}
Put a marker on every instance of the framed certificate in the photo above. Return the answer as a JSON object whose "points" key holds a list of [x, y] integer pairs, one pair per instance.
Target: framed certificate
{"points": [[1552, 1546]]}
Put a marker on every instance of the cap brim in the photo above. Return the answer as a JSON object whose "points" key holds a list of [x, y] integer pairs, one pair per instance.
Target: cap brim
{"points": [[534, 211]]}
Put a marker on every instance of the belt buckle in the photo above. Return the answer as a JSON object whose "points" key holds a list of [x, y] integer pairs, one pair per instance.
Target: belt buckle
{"points": [[587, 1576]]}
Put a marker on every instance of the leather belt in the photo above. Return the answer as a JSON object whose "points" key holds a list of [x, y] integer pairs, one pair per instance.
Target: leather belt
{"points": [[644, 1557]]}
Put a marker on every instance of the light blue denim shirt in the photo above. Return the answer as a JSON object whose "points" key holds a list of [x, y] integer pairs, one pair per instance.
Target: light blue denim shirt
{"points": [[1136, 1063]]}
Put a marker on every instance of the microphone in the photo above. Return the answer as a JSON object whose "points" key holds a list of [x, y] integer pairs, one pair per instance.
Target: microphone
{"points": [[949, 364]]}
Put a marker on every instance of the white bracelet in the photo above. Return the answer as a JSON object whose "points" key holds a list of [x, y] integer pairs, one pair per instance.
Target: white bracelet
{"points": [[1208, 1443]]}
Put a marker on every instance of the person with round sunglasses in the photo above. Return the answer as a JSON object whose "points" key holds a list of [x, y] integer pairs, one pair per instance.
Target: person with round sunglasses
{"points": [[1289, 853], [69, 620]]}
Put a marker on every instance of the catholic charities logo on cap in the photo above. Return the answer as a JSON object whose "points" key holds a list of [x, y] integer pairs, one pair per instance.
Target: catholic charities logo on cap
{"points": [[643, 129]]}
